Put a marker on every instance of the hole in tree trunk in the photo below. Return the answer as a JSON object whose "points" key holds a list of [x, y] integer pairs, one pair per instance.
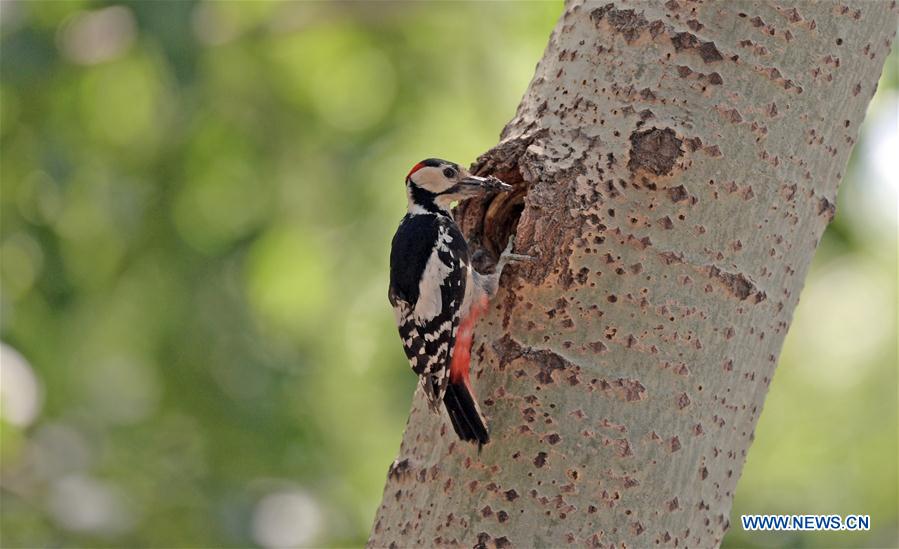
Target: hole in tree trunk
{"points": [[489, 223], [501, 219]]}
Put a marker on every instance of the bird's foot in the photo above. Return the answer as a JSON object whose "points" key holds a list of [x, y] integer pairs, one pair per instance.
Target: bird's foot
{"points": [[508, 256]]}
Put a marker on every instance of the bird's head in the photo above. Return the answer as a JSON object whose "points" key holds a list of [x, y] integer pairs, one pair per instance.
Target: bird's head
{"points": [[436, 184]]}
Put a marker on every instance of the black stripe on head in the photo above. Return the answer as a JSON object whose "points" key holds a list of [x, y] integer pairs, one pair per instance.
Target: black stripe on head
{"points": [[429, 163], [434, 162]]}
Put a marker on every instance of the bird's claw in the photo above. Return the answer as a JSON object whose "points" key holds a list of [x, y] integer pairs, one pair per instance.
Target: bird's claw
{"points": [[517, 257], [507, 255]]}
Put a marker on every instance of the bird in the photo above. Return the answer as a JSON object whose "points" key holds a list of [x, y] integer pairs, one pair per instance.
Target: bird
{"points": [[437, 295]]}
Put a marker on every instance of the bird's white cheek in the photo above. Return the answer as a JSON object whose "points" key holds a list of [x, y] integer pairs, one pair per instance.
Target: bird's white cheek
{"points": [[433, 180]]}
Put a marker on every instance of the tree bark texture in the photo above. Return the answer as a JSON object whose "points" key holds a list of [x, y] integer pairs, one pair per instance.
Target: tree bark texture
{"points": [[675, 164]]}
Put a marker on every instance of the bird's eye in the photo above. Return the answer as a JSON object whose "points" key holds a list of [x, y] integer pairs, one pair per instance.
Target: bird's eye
{"points": [[449, 173]]}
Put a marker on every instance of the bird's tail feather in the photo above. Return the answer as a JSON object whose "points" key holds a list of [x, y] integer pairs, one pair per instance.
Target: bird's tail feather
{"points": [[466, 417]]}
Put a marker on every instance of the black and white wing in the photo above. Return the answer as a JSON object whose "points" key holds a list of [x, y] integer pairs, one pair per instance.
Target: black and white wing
{"points": [[428, 271]]}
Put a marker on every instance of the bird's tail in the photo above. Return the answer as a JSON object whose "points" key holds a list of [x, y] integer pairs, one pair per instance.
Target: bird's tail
{"points": [[466, 417]]}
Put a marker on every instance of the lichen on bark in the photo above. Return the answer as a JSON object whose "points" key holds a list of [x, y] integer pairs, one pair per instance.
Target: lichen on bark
{"points": [[675, 167]]}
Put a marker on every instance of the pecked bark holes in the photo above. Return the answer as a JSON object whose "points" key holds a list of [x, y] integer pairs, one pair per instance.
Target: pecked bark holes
{"points": [[655, 150]]}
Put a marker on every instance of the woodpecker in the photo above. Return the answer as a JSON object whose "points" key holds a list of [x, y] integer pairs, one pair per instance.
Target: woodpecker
{"points": [[436, 294]]}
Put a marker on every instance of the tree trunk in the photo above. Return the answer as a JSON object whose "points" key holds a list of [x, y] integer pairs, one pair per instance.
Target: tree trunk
{"points": [[676, 165]]}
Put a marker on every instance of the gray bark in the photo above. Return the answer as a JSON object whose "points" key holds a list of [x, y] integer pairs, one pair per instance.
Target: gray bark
{"points": [[676, 165]]}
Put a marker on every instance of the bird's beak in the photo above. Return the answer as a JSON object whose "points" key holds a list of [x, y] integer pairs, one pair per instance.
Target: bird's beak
{"points": [[485, 184]]}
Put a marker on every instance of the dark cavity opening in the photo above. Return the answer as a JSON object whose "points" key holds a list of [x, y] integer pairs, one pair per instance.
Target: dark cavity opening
{"points": [[490, 222], [501, 220]]}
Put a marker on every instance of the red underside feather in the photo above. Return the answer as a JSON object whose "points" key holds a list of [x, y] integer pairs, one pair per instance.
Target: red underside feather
{"points": [[461, 363]]}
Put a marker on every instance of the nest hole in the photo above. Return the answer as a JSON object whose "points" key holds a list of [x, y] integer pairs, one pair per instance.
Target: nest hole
{"points": [[491, 222], [501, 220]]}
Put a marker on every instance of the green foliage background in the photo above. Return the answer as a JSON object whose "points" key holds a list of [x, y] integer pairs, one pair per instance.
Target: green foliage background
{"points": [[195, 227]]}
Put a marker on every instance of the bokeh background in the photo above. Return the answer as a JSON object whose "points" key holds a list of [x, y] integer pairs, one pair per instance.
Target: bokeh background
{"points": [[197, 203]]}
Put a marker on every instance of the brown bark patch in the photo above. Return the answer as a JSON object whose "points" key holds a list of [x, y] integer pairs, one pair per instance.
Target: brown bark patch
{"points": [[674, 444], [627, 22], [713, 150], [398, 469], [629, 389], [827, 209], [670, 258], [548, 362], [485, 541], [655, 150], [677, 194], [737, 284], [709, 52], [688, 41]]}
